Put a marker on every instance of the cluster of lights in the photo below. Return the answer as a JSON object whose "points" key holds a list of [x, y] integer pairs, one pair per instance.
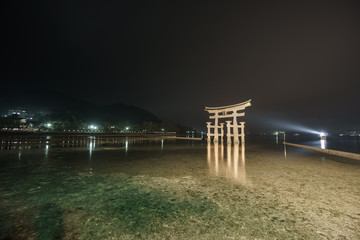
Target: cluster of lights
{"points": [[93, 127]]}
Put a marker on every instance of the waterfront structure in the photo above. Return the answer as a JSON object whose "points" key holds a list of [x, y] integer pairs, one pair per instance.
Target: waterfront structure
{"points": [[216, 129]]}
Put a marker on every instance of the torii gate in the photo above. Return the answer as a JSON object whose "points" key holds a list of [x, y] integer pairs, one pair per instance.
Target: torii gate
{"points": [[227, 112]]}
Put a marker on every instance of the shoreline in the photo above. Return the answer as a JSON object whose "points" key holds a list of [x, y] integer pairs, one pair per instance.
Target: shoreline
{"points": [[72, 133]]}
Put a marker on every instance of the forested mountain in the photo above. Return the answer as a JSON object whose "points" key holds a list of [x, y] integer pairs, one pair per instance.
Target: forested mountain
{"points": [[63, 107]]}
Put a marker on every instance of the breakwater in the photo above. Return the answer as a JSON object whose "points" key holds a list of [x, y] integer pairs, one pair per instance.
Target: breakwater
{"points": [[350, 155]]}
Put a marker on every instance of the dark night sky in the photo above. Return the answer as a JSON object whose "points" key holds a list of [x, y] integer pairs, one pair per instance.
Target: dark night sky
{"points": [[299, 61]]}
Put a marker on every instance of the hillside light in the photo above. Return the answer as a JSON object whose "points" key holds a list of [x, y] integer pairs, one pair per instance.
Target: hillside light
{"points": [[127, 128], [48, 125]]}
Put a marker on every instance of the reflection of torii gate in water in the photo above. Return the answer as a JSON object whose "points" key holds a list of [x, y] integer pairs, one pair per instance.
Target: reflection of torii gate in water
{"points": [[231, 111], [231, 164]]}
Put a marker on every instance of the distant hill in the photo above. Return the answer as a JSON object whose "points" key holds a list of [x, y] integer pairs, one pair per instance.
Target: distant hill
{"points": [[64, 107]]}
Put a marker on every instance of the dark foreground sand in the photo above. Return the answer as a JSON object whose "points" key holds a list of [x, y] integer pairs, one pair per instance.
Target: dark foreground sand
{"points": [[178, 191]]}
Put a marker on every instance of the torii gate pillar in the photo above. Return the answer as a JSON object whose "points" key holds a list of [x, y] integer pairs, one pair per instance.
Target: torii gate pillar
{"points": [[222, 132], [208, 130], [228, 126], [242, 127], [235, 128]]}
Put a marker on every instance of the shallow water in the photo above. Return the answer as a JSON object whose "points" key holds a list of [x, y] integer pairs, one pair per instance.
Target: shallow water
{"points": [[159, 188]]}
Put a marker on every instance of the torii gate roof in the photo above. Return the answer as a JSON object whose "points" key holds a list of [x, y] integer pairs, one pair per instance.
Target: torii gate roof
{"points": [[240, 105]]}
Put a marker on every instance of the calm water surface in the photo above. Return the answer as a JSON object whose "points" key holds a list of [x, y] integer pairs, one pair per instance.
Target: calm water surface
{"points": [[32, 168], [117, 154]]}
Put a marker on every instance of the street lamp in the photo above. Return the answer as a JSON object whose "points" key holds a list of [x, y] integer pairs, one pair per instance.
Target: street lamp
{"points": [[322, 136]]}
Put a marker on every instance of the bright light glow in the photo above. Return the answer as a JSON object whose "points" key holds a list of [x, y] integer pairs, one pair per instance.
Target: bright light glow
{"points": [[293, 127], [48, 124], [127, 128], [322, 134]]}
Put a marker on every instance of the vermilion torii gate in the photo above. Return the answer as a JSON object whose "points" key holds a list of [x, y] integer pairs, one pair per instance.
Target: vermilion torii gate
{"points": [[232, 127]]}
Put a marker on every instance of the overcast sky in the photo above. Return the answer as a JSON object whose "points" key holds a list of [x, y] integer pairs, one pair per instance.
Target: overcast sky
{"points": [[299, 61]]}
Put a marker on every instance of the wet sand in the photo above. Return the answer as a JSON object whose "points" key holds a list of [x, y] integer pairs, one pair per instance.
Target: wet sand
{"points": [[167, 190]]}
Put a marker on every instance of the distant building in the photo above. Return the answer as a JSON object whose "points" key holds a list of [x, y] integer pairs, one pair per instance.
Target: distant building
{"points": [[21, 112]]}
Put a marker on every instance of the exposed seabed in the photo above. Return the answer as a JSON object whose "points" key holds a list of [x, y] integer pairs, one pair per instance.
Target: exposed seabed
{"points": [[166, 190]]}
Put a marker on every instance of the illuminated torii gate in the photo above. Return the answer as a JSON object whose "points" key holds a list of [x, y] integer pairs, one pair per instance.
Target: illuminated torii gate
{"points": [[231, 111]]}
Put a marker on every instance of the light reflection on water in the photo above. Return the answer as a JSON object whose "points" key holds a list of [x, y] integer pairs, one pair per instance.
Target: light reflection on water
{"points": [[126, 145], [230, 165], [46, 150], [91, 147], [44, 142], [323, 144]]}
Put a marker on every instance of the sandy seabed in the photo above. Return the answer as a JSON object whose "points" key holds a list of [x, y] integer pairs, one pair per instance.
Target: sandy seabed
{"points": [[166, 190]]}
